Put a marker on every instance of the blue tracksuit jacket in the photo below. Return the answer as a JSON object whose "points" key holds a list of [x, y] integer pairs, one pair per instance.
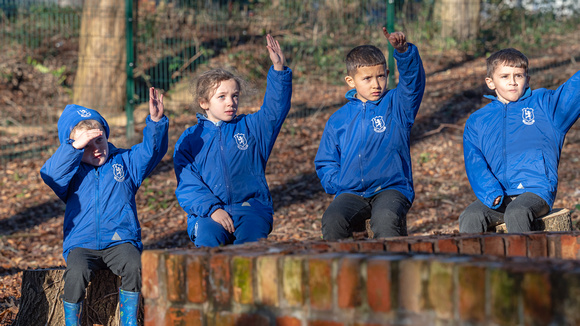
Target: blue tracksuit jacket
{"points": [[100, 201], [514, 148], [224, 166], [365, 147]]}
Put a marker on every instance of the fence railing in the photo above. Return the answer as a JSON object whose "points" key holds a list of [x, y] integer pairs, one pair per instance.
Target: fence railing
{"points": [[173, 39]]}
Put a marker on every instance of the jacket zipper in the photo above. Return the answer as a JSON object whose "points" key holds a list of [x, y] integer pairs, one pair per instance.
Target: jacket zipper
{"points": [[226, 175], [98, 208], [505, 145], [361, 148]]}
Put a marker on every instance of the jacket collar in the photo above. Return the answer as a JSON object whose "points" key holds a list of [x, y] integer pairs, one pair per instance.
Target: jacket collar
{"points": [[527, 94], [350, 95]]}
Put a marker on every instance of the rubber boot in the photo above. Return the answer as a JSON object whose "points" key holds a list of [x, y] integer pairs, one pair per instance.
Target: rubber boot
{"points": [[128, 302], [72, 313]]}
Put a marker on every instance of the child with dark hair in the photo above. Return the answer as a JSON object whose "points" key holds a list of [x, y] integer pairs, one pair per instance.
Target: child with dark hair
{"points": [[220, 162], [98, 183], [512, 146], [364, 155]]}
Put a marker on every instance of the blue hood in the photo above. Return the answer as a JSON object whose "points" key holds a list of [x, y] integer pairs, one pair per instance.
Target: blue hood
{"points": [[72, 115]]}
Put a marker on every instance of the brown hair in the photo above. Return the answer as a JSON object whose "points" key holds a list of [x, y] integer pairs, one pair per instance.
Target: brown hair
{"points": [[508, 57], [364, 56], [87, 125], [203, 87]]}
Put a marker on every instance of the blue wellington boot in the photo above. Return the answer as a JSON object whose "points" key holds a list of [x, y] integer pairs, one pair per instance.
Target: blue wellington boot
{"points": [[72, 313], [128, 304]]}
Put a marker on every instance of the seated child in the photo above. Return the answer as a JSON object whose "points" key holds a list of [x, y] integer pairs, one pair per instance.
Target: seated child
{"points": [[364, 155], [98, 182], [512, 146], [220, 162]]}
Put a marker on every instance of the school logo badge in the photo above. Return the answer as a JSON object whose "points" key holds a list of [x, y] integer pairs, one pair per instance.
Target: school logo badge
{"points": [[118, 172], [241, 141], [528, 116], [379, 124], [84, 113]]}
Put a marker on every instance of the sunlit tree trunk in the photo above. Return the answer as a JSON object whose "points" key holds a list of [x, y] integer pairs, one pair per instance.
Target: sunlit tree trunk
{"points": [[459, 18], [101, 76]]}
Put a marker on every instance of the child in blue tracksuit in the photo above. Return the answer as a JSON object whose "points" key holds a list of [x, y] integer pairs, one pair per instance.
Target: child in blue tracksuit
{"points": [[512, 146], [220, 162], [98, 182], [364, 155]]}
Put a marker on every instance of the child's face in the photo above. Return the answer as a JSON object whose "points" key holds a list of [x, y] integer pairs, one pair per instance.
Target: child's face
{"points": [[96, 150], [223, 105], [509, 83], [370, 82]]}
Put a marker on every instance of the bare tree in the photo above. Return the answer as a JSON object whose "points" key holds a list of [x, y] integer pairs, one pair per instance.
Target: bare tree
{"points": [[459, 18]]}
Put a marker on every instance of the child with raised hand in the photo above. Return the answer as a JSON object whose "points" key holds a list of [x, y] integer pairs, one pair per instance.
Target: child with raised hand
{"points": [[220, 162], [98, 183], [512, 146], [364, 154]]}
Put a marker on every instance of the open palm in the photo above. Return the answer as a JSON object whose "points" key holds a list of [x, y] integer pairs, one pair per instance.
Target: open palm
{"points": [[276, 54]]}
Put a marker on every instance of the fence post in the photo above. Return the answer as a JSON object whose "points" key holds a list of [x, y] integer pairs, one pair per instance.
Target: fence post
{"points": [[390, 29], [130, 64]]}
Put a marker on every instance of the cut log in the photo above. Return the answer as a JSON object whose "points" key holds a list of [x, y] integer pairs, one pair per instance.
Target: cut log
{"points": [[558, 220], [41, 302]]}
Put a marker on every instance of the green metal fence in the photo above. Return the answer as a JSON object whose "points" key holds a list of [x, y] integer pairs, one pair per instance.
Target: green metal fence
{"points": [[168, 41]]}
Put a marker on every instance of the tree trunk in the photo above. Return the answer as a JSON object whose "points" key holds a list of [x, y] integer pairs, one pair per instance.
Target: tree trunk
{"points": [[101, 78], [41, 302], [459, 18]]}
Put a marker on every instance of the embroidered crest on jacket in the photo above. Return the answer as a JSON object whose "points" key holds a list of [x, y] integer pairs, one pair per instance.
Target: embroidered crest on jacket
{"points": [[379, 124], [241, 141], [528, 116], [119, 172], [84, 113]]}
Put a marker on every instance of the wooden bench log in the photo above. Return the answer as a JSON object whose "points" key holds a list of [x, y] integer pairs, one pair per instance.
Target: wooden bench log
{"points": [[41, 302], [558, 220]]}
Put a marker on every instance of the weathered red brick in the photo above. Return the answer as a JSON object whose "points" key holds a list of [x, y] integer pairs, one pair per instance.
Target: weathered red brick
{"points": [[471, 293], [183, 317], [494, 245], [447, 245], [536, 290], [441, 289], [515, 245], [324, 323], [345, 246], [175, 281], [397, 245], [422, 246], [292, 281], [149, 273], [379, 284], [349, 282], [252, 319], [470, 246], [242, 279], [267, 278], [154, 314], [320, 281], [410, 283], [288, 321], [554, 245], [504, 295], [570, 247], [196, 273], [371, 246], [219, 278], [537, 245]]}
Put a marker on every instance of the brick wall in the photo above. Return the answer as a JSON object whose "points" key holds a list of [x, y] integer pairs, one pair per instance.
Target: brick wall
{"points": [[508, 279]]}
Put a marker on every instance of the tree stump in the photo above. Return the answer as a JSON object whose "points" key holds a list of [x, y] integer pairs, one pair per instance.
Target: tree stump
{"points": [[41, 302], [558, 220]]}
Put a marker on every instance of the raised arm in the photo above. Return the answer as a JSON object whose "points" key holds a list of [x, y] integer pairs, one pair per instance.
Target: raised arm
{"points": [[145, 156], [267, 122], [565, 103], [411, 85]]}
